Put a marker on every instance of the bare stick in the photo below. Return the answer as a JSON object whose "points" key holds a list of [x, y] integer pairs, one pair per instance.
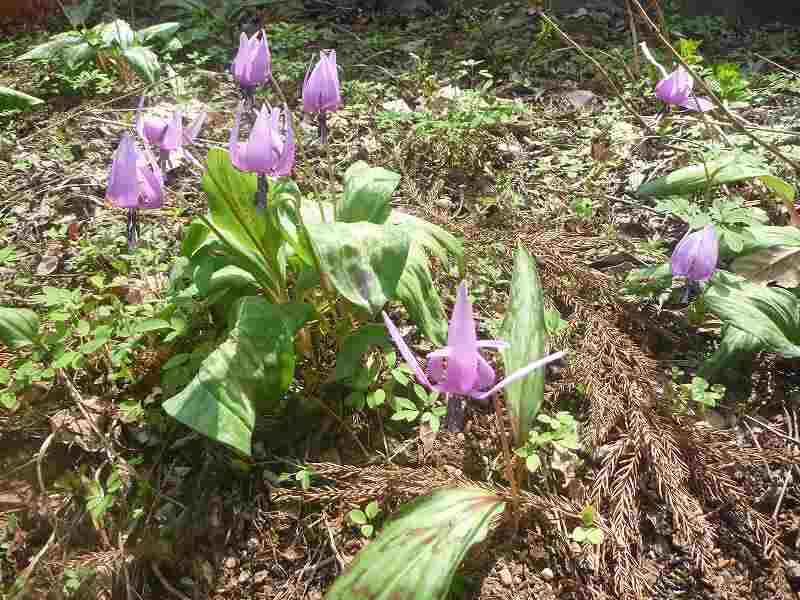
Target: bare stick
{"points": [[166, 584]]}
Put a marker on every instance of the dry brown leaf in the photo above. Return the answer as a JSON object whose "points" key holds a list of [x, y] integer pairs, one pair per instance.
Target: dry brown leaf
{"points": [[780, 264]]}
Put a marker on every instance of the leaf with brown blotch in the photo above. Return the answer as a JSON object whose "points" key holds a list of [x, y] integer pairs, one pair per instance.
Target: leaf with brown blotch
{"points": [[780, 264]]}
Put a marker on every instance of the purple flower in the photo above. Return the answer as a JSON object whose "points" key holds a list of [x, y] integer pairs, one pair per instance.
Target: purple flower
{"points": [[321, 87], [459, 368], [266, 151], [676, 89], [167, 135], [135, 180], [252, 67], [695, 256]]}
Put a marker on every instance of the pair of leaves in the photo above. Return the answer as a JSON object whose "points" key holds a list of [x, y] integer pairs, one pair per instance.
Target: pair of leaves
{"points": [[363, 213], [416, 554], [253, 367]]}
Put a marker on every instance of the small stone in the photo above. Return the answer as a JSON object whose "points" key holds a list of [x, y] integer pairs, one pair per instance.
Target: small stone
{"points": [[260, 576], [505, 577], [244, 576], [793, 571], [547, 574], [231, 562]]}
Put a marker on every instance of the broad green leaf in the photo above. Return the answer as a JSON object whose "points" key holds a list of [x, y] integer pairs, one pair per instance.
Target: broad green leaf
{"points": [[252, 368], [778, 263], [159, 30], [367, 194], [355, 345], [524, 329], [117, 32], [18, 327], [416, 290], [53, 47], [363, 261], [770, 315], [416, 554], [144, 61], [12, 99], [729, 167], [250, 235]]}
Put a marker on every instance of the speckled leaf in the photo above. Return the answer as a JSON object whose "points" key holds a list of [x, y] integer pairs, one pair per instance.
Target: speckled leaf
{"points": [[252, 368], [416, 554], [524, 330], [363, 261]]}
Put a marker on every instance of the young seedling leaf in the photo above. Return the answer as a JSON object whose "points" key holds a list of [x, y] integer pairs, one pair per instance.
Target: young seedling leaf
{"points": [[524, 329], [357, 517], [416, 554], [372, 510]]}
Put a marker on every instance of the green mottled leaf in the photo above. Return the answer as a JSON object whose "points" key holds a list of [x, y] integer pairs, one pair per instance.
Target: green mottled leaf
{"points": [[416, 554], [116, 32], [18, 327], [252, 368], [363, 261], [524, 329], [78, 54], [367, 194]]}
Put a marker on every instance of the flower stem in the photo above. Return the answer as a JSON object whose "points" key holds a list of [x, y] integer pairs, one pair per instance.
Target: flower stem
{"points": [[509, 467], [262, 191]]}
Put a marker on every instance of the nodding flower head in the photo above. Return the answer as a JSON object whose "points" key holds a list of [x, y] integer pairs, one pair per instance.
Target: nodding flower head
{"points": [[459, 368]]}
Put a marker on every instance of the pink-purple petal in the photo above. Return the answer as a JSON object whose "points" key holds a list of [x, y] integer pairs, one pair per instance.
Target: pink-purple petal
{"points": [[520, 373], [405, 351], [486, 374], [123, 181], [461, 334]]}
